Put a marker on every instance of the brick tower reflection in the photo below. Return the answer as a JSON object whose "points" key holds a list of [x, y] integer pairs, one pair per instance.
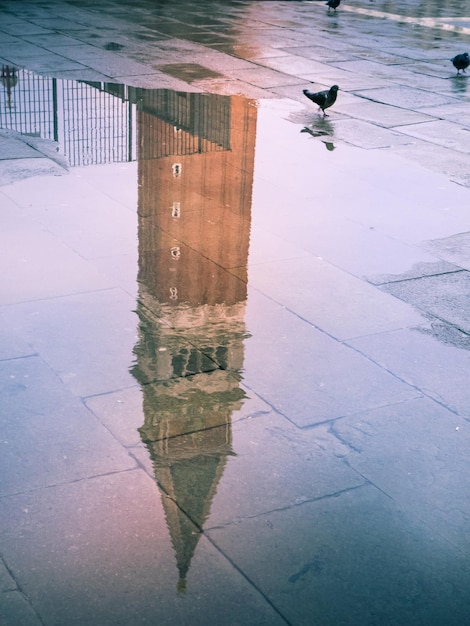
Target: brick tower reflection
{"points": [[195, 170]]}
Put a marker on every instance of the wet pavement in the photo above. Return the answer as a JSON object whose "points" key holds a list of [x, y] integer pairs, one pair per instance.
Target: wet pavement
{"points": [[234, 333]]}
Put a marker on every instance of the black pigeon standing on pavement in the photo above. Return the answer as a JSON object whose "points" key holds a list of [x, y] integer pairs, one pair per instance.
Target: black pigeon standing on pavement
{"points": [[461, 62], [324, 99], [333, 4]]}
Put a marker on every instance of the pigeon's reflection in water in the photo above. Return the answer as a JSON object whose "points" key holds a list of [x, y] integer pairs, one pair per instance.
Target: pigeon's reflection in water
{"points": [[321, 128], [459, 83]]}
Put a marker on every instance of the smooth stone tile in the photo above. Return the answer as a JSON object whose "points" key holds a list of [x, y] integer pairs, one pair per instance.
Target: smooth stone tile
{"points": [[405, 96], [12, 217], [441, 132], [155, 80], [354, 247], [294, 65], [266, 246], [382, 114], [47, 190], [444, 161], [457, 113], [85, 227], [278, 466], [368, 136], [351, 559], [225, 87], [249, 53], [46, 62], [116, 180], [374, 68], [331, 299], [404, 353], [347, 81], [120, 271], [262, 77], [87, 339], [426, 446], [48, 437], [110, 63], [32, 258], [330, 380], [220, 62], [13, 346], [121, 412], [108, 540], [53, 40], [321, 53], [446, 296]]}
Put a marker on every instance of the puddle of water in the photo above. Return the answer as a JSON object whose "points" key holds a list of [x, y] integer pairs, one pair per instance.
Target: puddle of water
{"points": [[225, 184]]}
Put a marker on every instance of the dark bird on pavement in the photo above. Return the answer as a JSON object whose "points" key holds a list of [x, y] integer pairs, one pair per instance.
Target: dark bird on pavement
{"points": [[461, 62], [324, 99], [333, 4]]}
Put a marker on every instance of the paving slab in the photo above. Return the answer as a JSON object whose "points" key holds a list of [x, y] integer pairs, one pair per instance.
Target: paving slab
{"points": [[425, 445], [6, 581], [358, 546], [446, 296], [258, 446], [48, 437], [84, 227], [455, 249], [455, 165], [403, 352], [457, 113], [16, 609], [441, 132], [405, 97], [290, 470], [332, 300], [124, 411], [330, 380], [368, 136], [382, 114], [86, 339], [262, 77], [107, 539], [31, 258]]}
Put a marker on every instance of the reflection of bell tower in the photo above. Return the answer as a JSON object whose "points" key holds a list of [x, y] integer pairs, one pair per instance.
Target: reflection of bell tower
{"points": [[196, 159]]}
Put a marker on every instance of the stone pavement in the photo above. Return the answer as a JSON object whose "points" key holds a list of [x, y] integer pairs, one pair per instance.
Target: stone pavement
{"points": [[234, 373]]}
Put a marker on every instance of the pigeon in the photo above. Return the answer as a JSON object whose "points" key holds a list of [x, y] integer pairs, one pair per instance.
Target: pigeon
{"points": [[324, 99], [461, 62], [333, 4]]}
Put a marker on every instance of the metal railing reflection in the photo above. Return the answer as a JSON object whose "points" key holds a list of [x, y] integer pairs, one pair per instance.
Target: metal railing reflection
{"points": [[95, 123]]}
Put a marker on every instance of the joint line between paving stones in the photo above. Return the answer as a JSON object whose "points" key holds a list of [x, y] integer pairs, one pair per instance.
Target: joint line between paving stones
{"points": [[69, 482], [408, 280], [294, 505], [412, 386], [19, 589], [248, 580]]}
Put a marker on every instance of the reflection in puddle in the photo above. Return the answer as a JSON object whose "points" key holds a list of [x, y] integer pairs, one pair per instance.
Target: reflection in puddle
{"points": [[195, 171], [93, 123], [321, 128], [459, 83], [195, 157]]}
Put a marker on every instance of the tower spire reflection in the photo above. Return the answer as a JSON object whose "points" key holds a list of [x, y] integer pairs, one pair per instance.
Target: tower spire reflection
{"points": [[195, 172]]}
